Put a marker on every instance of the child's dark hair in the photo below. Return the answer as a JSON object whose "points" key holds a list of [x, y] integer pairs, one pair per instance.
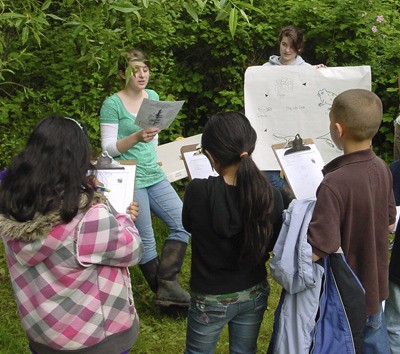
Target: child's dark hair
{"points": [[230, 139], [50, 173], [295, 35]]}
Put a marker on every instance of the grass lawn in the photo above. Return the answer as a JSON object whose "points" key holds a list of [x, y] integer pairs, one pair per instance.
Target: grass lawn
{"points": [[159, 333]]}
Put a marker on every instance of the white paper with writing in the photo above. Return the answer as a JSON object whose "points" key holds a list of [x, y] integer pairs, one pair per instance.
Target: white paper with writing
{"points": [[159, 114], [283, 101]]}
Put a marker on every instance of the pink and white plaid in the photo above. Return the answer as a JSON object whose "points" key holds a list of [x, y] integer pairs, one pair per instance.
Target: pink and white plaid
{"points": [[73, 287]]}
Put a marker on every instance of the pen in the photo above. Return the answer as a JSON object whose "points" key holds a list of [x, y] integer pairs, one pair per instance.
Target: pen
{"points": [[102, 188]]}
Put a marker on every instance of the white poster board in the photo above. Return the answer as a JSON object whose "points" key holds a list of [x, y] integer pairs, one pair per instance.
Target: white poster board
{"points": [[282, 101]]}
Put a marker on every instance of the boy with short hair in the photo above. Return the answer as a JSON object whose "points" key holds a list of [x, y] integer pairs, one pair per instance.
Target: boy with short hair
{"points": [[355, 207]]}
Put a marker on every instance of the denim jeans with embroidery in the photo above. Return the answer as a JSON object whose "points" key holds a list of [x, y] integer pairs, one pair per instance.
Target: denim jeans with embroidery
{"points": [[205, 323], [161, 199]]}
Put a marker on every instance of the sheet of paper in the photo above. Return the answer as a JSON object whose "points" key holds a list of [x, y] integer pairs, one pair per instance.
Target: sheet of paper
{"points": [[282, 101], [199, 166], [121, 183], [303, 171], [158, 114]]}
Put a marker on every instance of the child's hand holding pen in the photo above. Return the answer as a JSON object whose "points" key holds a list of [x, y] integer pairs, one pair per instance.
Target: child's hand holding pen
{"points": [[97, 185], [101, 188]]}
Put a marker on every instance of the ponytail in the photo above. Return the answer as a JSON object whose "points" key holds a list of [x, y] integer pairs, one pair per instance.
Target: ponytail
{"points": [[231, 139], [256, 201]]}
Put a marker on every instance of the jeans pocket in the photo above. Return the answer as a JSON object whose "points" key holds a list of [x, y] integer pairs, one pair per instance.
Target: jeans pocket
{"points": [[207, 314], [374, 321], [260, 302]]}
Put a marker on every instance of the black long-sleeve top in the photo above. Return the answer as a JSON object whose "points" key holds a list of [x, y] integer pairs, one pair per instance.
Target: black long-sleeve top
{"points": [[211, 214]]}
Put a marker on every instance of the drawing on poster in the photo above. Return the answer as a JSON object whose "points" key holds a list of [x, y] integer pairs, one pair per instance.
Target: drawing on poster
{"points": [[283, 86], [326, 97], [281, 102]]}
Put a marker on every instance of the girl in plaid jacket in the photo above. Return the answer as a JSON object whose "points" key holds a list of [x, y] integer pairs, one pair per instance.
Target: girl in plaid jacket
{"points": [[68, 253]]}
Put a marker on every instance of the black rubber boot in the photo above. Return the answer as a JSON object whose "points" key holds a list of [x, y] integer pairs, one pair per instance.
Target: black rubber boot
{"points": [[150, 271], [169, 291]]}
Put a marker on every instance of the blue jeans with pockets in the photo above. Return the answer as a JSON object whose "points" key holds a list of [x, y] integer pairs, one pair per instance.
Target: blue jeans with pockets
{"points": [[206, 322]]}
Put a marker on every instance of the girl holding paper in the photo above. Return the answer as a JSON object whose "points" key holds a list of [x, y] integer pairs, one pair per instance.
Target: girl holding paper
{"points": [[291, 45], [124, 140]]}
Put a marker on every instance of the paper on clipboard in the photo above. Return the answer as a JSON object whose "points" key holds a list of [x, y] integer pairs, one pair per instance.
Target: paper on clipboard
{"points": [[303, 169], [158, 114], [196, 163], [121, 183]]}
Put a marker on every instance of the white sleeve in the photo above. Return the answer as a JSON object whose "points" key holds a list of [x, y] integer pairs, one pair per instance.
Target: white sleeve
{"points": [[109, 134]]}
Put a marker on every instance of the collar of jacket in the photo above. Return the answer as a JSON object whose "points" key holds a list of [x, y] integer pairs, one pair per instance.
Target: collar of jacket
{"points": [[39, 227]]}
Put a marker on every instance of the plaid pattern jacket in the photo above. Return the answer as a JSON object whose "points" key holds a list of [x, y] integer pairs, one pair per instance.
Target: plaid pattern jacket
{"points": [[72, 284]]}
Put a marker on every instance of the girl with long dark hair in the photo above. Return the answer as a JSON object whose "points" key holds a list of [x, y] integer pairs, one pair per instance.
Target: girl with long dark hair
{"points": [[66, 249], [234, 220]]}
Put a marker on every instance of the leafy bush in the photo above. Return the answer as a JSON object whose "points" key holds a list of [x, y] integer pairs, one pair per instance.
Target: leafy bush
{"points": [[62, 56]]}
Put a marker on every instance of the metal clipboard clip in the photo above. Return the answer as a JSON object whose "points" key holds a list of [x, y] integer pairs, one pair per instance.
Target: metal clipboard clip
{"points": [[298, 145], [105, 162]]}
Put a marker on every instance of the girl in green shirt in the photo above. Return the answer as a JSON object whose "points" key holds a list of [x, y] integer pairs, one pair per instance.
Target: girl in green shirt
{"points": [[124, 140]]}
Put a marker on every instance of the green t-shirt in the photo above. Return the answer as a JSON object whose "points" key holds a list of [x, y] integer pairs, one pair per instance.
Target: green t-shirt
{"points": [[148, 172]]}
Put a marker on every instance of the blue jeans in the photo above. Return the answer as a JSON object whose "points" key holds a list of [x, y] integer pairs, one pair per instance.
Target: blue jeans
{"points": [[161, 199], [376, 339], [206, 322], [274, 177], [392, 317]]}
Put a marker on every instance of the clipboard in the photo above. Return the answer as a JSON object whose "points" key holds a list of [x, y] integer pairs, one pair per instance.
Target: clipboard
{"points": [[119, 181], [302, 167], [169, 154], [196, 163]]}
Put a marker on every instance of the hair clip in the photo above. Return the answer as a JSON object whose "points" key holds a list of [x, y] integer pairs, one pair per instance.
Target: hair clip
{"points": [[72, 119]]}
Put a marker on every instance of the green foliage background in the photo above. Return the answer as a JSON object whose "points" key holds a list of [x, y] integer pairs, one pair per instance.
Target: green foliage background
{"points": [[61, 56]]}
